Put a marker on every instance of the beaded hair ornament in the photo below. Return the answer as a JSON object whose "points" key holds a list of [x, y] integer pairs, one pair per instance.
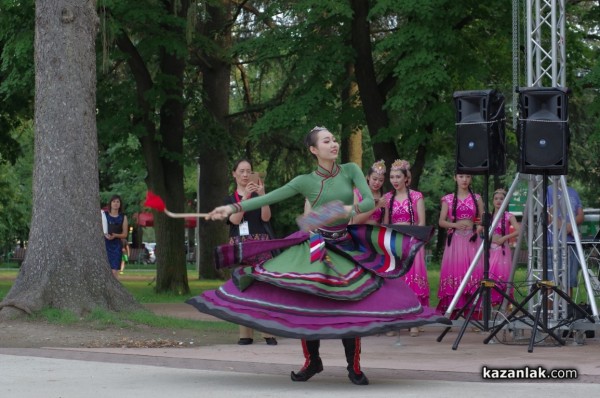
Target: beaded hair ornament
{"points": [[400, 165], [379, 167], [500, 191]]}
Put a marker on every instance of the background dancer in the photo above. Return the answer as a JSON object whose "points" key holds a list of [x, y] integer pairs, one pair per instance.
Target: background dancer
{"points": [[500, 253], [375, 180], [459, 213], [405, 206]]}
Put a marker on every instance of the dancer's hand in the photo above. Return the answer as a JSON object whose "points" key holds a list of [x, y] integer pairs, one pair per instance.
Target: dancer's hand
{"points": [[498, 239], [348, 209], [250, 189], [380, 203], [462, 226], [219, 213]]}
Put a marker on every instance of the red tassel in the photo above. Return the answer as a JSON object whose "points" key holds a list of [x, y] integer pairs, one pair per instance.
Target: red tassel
{"points": [[154, 201]]}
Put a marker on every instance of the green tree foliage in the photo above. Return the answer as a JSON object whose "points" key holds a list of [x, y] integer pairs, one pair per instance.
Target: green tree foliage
{"points": [[15, 193], [66, 263], [16, 74], [144, 59], [288, 67]]}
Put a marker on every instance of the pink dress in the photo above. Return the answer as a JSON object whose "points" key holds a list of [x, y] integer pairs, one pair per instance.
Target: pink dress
{"points": [[458, 256], [377, 214], [500, 260], [416, 278]]}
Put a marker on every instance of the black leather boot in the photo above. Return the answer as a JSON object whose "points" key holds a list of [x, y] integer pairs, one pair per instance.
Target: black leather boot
{"points": [[358, 379], [315, 366], [312, 361], [352, 351]]}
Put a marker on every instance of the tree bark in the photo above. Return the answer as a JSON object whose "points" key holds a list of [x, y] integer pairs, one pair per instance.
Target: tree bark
{"points": [[352, 150], [162, 149], [371, 96], [418, 166], [171, 271], [66, 265], [214, 184]]}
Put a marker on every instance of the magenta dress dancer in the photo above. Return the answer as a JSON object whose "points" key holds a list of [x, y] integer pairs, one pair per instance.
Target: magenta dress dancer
{"points": [[459, 254], [416, 277], [500, 260]]}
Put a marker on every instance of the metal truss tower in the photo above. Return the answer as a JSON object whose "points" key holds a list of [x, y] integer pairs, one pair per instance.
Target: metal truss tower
{"points": [[546, 67], [545, 37]]}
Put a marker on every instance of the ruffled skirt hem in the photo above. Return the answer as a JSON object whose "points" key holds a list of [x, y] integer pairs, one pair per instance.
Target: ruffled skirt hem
{"points": [[303, 327], [299, 315]]}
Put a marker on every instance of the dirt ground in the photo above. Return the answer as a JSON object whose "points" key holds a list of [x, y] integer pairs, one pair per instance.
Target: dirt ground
{"points": [[17, 333]]}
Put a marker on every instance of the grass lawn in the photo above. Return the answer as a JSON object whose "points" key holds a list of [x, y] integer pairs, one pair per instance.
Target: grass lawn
{"points": [[140, 282]]}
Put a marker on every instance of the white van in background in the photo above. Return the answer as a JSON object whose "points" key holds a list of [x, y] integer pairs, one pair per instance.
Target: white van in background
{"points": [[150, 246], [591, 223]]}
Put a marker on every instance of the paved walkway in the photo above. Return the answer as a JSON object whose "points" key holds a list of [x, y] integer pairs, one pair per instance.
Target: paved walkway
{"points": [[411, 366]]}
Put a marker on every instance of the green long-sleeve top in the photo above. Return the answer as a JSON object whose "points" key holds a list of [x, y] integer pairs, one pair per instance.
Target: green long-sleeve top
{"points": [[319, 187]]}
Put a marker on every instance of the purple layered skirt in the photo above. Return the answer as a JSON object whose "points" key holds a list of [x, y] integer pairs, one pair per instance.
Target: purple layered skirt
{"points": [[353, 290]]}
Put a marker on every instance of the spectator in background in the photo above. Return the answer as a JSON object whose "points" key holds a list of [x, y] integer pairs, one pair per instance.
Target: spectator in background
{"points": [[248, 225], [117, 229], [577, 208]]}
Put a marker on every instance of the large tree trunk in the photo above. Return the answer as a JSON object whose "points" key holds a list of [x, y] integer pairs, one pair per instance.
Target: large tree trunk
{"points": [[352, 150], [214, 183], [66, 265], [162, 155], [171, 271], [418, 166], [372, 98]]}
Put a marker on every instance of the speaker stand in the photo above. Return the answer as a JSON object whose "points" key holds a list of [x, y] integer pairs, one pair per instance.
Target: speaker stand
{"points": [[544, 287]]}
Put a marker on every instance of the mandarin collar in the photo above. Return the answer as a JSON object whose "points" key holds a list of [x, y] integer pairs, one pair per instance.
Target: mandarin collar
{"points": [[323, 172]]}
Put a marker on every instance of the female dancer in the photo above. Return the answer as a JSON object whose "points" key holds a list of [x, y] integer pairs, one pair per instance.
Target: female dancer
{"points": [[459, 213], [500, 254], [375, 180], [248, 225], [337, 281], [405, 206]]}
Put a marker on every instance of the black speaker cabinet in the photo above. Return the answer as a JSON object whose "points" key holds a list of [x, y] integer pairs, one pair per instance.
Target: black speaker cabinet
{"points": [[543, 130], [480, 139]]}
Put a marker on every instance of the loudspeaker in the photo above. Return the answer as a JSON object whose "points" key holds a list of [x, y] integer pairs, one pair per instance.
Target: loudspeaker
{"points": [[543, 130], [480, 139]]}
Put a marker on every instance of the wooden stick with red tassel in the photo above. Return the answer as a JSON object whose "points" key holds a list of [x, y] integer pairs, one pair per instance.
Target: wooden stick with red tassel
{"points": [[155, 202]]}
